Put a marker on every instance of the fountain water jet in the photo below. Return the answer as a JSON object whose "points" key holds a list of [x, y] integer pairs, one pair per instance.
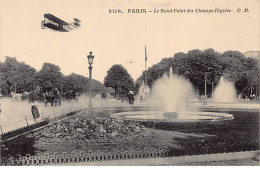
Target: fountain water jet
{"points": [[224, 92], [173, 91], [141, 90]]}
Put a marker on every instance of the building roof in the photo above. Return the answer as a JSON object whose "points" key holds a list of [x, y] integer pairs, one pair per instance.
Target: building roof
{"points": [[253, 54]]}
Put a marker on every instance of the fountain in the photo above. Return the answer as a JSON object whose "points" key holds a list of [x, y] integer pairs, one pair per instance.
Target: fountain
{"points": [[173, 93], [224, 92]]}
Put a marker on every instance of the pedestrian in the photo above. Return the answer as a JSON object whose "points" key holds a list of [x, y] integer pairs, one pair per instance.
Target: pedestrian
{"points": [[131, 98], [34, 109], [55, 92], [141, 98]]}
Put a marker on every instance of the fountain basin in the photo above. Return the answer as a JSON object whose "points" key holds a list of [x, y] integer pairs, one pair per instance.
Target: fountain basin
{"points": [[182, 116]]}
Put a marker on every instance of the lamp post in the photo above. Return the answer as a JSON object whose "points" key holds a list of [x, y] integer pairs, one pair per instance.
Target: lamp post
{"points": [[90, 62], [258, 87], [205, 79], [212, 82], [205, 87]]}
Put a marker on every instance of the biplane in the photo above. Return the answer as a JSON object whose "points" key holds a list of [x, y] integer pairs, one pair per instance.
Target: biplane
{"points": [[52, 22]]}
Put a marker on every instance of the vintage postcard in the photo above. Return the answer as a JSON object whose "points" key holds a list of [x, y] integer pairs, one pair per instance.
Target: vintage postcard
{"points": [[129, 83]]}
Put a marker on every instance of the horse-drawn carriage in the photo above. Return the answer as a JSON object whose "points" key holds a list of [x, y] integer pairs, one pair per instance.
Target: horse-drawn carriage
{"points": [[70, 95], [53, 99], [52, 96], [128, 97]]}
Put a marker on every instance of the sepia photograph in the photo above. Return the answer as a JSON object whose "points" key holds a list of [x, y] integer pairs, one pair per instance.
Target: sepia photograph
{"points": [[129, 83]]}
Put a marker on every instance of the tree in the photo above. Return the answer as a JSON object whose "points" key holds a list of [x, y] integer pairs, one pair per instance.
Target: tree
{"points": [[253, 75], [49, 76], [76, 83], [119, 79], [16, 76], [98, 87], [234, 65], [241, 84], [79, 84], [203, 64], [197, 64]]}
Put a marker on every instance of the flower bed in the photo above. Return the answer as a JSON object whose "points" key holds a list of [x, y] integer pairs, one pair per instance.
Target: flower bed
{"points": [[95, 130]]}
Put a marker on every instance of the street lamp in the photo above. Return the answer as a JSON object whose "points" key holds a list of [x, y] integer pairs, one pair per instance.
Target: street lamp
{"points": [[205, 83], [205, 87], [90, 62], [210, 69]]}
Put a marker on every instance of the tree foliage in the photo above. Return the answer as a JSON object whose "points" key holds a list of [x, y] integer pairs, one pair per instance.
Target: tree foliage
{"points": [[196, 65], [49, 76], [79, 83], [118, 78], [16, 75], [74, 82], [22, 77]]}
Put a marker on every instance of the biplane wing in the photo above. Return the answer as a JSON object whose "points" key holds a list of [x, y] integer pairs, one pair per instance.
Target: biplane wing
{"points": [[52, 22]]}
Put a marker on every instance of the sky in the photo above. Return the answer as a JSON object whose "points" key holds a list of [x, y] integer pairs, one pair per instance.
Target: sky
{"points": [[121, 38]]}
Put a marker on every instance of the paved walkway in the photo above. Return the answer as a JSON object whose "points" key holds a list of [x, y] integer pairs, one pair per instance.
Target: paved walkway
{"points": [[13, 113]]}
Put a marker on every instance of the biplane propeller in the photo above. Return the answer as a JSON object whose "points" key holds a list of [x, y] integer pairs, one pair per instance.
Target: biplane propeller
{"points": [[52, 22]]}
